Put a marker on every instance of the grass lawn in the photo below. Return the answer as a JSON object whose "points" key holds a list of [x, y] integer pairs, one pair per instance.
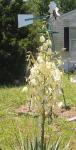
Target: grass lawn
{"points": [[12, 125]]}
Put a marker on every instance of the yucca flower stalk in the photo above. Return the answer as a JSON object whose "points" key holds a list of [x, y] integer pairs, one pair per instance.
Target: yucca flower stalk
{"points": [[44, 82]]}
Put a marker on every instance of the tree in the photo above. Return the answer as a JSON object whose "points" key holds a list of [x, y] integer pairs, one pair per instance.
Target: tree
{"points": [[39, 7], [14, 42], [67, 5]]}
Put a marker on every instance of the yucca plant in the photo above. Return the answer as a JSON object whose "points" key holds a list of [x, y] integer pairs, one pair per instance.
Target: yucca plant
{"points": [[44, 83], [36, 145]]}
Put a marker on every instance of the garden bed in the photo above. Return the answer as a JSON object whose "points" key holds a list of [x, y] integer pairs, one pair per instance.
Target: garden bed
{"points": [[67, 114]]}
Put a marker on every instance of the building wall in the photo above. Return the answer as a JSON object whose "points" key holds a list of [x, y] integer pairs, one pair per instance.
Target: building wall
{"points": [[58, 38], [67, 20], [58, 26]]}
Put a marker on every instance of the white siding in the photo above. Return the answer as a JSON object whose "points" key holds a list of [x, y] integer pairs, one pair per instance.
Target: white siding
{"points": [[58, 38], [66, 20]]}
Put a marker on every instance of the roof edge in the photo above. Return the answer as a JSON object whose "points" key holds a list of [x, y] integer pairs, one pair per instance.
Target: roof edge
{"points": [[68, 13]]}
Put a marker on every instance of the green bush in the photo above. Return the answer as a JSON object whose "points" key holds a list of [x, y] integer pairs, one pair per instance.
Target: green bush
{"points": [[14, 42]]}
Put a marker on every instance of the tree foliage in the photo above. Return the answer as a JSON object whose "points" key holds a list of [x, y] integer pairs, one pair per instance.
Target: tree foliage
{"points": [[14, 42], [67, 5]]}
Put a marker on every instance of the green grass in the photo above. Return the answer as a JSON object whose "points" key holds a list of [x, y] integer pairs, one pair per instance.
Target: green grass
{"points": [[69, 90], [10, 98], [10, 123]]}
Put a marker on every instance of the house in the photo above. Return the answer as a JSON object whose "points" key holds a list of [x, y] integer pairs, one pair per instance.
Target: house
{"points": [[65, 25]]}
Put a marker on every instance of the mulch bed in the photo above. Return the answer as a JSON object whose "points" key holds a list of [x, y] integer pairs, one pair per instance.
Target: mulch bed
{"points": [[24, 109], [69, 113], [66, 113], [60, 112]]}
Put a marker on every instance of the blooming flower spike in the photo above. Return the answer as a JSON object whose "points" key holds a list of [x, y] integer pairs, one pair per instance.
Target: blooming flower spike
{"points": [[42, 39], [25, 89]]}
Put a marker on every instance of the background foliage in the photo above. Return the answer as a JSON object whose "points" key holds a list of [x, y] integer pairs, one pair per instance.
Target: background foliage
{"points": [[14, 42], [66, 5]]}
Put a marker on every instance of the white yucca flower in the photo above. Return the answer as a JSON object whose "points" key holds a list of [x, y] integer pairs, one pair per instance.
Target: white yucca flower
{"points": [[33, 82], [59, 62], [25, 89], [42, 39], [34, 69], [41, 48], [48, 42], [60, 104], [45, 46], [53, 66], [50, 51], [56, 75], [45, 77], [50, 90], [48, 65], [40, 59]]}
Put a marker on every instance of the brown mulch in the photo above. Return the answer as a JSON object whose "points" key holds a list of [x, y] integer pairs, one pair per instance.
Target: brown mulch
{"points": [[65, 113], [60, 112], [24, 109]]}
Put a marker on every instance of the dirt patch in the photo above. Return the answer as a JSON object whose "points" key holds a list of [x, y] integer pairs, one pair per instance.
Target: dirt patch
{"points": [[25, 109], [60, 112], [65, 113]]}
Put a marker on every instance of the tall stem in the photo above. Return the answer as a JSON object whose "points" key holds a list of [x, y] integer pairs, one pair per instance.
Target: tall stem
{"points": [[43, 117], [64, 98], [42, 126]]}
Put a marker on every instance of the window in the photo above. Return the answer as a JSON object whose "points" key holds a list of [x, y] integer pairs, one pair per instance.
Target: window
{"points": [[66, 38]]}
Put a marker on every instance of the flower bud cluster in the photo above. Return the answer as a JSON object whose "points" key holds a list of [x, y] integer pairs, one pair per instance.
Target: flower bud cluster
{"points": [[45, 77]]}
